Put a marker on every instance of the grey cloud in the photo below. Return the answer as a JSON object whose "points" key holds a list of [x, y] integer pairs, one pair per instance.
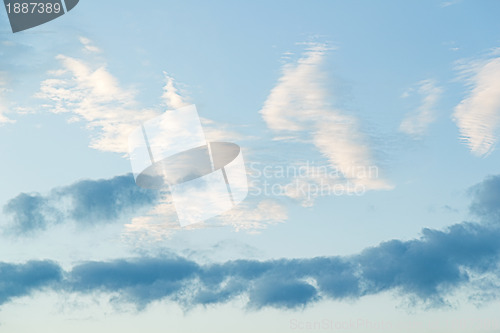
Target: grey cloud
{"points": [[428, 269], [139, 281], [28, 211], [288, 293], [486, 199], [22, 279], [85, 202], [432, 265]]}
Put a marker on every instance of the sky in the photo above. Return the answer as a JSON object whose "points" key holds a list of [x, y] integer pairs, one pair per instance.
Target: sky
{"points": [[369, 132]]}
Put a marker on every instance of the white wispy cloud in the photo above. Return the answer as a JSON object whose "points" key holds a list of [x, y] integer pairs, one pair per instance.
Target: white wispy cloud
{"points": [[88, 45], [255, 217], [95, 96], [171, 96], [3, 103], [92, 94], [219, 132], [416, 123], [449, 3], [300, 106], [478, 114], [4, 108], [160, 223]]}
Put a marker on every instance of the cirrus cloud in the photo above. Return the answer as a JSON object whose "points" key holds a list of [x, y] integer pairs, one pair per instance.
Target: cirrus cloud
{"points": [[300, 108], [478, 114]]}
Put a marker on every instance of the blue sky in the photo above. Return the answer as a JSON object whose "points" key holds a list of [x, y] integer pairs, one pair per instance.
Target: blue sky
{"points": [[408, 90]]}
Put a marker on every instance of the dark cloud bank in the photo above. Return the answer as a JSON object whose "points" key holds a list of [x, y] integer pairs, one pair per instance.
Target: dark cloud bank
{"points": [[428, 269]]}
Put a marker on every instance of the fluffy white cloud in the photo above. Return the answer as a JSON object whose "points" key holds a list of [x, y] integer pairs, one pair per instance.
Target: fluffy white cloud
{"points": [[416, 123], [478, 114], [299, 106]]}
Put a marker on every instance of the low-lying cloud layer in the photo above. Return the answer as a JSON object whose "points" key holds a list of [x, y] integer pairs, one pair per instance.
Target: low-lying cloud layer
{"points": [[428, 269], [22, 279]]}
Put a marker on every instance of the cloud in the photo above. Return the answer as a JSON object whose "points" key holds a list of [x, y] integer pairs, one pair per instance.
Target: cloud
{"points": [[486, 199], [22, 279], [161, 223], [277, 283], [478, 114], [30, 212], [299, 100], [88, 46], [3, 101], [299, 106], [171, 96], [152, 213], [449, 3], [157, 224], [433, 265], [94, 95], [86, 202], [429, 270], [416, 124], [254, 216], [218, 132], [138, 280]]}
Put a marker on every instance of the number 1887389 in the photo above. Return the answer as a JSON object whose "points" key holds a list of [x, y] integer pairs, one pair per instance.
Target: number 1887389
{"points": [[33, 7]]}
